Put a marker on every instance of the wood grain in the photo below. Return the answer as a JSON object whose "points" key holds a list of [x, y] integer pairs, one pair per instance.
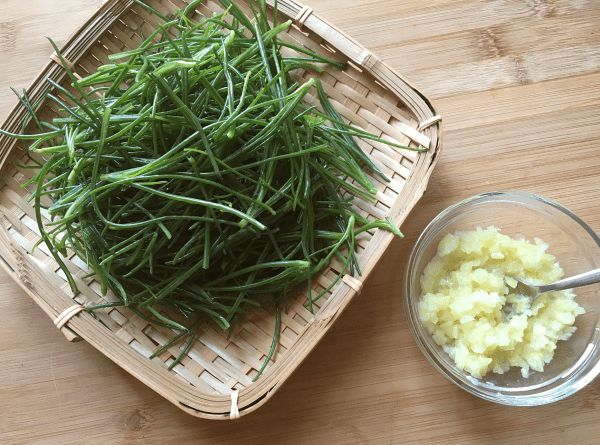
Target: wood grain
{"points": [[518, 86], [24, 50]]}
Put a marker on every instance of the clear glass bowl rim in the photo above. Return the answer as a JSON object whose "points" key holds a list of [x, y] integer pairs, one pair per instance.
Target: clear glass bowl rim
{"points": [[577, 380]]}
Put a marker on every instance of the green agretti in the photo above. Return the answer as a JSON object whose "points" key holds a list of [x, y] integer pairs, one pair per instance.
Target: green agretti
{"points": [[190, 174]]}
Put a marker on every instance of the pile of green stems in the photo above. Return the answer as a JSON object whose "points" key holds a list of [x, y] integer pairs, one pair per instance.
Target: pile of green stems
{"points": [[190, 174]]}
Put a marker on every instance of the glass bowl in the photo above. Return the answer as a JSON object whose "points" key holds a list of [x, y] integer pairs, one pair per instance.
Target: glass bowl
{"points": [[576, 247]]}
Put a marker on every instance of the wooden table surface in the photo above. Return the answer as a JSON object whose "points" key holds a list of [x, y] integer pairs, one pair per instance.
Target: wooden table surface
{"points": [[518, 85]]}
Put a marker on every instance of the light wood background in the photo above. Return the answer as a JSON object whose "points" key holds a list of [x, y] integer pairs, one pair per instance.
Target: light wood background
{"points": [[518, 85]]}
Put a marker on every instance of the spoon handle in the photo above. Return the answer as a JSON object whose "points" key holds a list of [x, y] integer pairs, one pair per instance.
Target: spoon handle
{"points": [[583, 279]]}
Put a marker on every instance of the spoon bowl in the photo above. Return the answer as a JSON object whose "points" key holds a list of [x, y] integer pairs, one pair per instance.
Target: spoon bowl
{"points": [[533, 291]]}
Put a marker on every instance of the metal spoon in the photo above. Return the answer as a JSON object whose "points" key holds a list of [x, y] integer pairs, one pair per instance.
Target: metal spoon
{"points": [[532, 291]]}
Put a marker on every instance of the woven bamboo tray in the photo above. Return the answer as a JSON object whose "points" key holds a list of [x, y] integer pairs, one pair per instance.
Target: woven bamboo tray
{"points": [[214, 379]]}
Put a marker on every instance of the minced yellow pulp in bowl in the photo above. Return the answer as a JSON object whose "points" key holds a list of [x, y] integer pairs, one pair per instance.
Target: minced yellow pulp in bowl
{"points": [[473, 314]]}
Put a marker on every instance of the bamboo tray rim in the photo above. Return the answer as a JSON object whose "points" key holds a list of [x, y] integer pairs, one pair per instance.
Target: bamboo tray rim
{"points": [[249, 398]]}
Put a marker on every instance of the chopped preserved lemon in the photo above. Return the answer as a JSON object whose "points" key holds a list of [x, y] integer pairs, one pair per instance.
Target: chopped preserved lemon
{"points": [[472, 313]]}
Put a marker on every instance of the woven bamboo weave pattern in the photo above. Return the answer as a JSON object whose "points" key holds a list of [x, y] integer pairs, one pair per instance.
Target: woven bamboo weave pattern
{"points": [[367, 94]]}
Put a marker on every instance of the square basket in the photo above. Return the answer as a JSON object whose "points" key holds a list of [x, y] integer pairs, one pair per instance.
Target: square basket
{"points": [[214, 379]]}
